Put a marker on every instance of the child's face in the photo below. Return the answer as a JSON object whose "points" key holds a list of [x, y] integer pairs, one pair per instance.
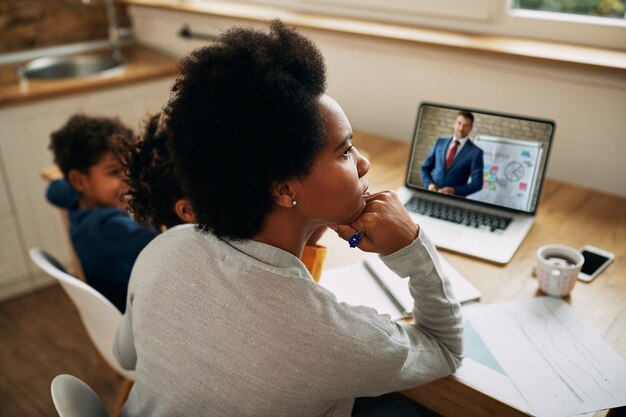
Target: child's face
{"points": [[104, 184]]}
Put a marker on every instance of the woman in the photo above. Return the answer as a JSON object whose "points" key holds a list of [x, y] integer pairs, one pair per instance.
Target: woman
{"points": [[223, 319]]}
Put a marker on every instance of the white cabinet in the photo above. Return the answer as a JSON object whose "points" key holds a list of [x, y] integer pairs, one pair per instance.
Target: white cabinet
{"points": [[12, 265], [26, 219]]}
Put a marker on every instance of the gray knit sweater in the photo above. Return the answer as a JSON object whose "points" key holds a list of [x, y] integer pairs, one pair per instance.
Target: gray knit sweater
{"points": [[224, 328]]}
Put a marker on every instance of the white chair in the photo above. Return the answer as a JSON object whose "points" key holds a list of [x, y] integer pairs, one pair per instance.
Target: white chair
{"points": [[74, 398], [100, 318]]}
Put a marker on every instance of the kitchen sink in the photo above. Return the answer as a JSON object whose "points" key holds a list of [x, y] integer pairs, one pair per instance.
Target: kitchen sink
{"points": [[74, 66]]}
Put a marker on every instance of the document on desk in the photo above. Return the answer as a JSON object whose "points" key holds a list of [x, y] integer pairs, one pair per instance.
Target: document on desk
{"points": [[560, 366], [371, 283], [481, 370]]}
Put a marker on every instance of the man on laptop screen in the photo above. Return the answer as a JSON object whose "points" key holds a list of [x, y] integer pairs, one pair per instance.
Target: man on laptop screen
{"points": [[476, 191], [454, 165]]}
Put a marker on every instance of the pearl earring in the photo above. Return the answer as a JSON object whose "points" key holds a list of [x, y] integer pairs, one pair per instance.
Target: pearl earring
{"points": [[294, 203]]}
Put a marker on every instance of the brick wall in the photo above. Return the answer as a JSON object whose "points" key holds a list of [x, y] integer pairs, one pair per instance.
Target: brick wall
{"points": [[32, 24]]}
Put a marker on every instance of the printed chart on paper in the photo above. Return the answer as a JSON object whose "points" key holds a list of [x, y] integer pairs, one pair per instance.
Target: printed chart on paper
{"points": [[558, 364]]}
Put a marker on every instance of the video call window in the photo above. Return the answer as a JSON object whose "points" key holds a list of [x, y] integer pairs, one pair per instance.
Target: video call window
{"points": [[500, 160]]}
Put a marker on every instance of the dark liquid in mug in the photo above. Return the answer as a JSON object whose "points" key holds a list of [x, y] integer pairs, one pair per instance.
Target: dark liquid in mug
{"points": [[559, 260]]}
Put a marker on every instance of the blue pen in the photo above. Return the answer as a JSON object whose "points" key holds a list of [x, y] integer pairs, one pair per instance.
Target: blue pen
{"points": [[355, 239]]}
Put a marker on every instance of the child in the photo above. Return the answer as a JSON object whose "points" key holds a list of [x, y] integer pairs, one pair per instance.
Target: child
{"points": [[106, 240], [158, 199]]}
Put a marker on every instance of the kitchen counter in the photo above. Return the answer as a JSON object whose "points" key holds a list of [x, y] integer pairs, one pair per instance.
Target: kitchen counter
{"points": [[143, 65]]}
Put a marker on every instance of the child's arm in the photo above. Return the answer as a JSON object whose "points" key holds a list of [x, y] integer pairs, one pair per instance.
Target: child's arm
{"points": [[61, 194]]}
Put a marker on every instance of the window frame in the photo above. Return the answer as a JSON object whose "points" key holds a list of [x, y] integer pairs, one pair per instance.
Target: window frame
{"points": [[489, 17]]}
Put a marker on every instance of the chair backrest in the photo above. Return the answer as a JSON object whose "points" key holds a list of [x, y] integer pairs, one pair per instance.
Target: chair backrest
{"points": [[100, 318], [74, 398]]}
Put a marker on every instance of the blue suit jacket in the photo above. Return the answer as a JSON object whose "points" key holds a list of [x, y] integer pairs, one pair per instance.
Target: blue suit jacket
{"points": [[466, 166]]}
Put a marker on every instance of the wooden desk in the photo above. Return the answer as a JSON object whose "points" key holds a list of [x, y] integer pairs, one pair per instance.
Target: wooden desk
{"points": [[568, 215]]}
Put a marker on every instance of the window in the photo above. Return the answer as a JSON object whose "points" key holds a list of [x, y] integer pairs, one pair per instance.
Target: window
{"points": [[600, 8], [587, 22], [564, 21], [474, 10]]}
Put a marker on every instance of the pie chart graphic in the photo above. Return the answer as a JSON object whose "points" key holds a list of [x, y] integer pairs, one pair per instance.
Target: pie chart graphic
{"points": [[514, 171]]}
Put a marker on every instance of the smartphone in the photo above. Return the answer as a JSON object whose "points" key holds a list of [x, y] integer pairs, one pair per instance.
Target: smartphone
{"points": [[596, 260]]}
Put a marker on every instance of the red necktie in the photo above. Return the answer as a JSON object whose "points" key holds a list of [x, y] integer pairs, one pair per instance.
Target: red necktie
{"points": [[455, 145]]}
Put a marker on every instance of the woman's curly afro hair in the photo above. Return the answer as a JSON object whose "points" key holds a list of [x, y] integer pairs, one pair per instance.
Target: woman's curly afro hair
{"points": [[149, 170], [244, 113]]}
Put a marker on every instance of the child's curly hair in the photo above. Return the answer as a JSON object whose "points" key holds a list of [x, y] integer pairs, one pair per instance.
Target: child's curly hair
{"points": [[84, 140], [152, 186]]}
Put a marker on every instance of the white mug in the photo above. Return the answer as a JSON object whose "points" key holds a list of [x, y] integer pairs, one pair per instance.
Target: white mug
{"points": [[557, 269]]}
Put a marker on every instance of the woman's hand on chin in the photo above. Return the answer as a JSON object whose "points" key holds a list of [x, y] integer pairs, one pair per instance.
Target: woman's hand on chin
{"points": [[386, 224]]}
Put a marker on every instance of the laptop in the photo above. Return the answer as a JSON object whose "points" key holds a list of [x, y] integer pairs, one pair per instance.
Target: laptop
{"points": [[481, 201]]}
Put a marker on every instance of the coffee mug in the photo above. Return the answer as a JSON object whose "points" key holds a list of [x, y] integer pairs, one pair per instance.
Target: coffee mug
{"points": [[557, 269]]}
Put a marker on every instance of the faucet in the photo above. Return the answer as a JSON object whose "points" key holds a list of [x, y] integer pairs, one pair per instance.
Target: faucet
{"points": [[114, 35]]}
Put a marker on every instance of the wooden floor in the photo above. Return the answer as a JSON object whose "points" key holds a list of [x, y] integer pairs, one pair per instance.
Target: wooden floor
{"points": [[41, 336]]}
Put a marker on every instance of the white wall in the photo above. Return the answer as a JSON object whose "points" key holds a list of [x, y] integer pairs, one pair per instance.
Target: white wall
{"points": [[380, 83]]}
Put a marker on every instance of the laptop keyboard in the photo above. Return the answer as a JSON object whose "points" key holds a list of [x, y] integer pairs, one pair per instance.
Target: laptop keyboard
{"points": [[472, 218]]}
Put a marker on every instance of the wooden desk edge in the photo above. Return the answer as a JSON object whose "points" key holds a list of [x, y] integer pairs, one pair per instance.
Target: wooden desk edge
{"points": [[448, 395], [51, 173]]}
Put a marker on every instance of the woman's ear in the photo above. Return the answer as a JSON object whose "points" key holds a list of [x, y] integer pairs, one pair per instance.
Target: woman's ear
{"points": [[77, 180], [284, 195], [184, 211]]}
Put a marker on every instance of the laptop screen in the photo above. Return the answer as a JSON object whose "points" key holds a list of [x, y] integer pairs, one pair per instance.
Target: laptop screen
{"points": [[495, 159]]}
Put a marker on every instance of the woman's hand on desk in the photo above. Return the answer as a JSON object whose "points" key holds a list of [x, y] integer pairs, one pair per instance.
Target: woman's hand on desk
{"points": [[387, 225]]}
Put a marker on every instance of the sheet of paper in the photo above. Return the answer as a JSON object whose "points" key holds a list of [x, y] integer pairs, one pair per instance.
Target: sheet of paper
{"points": [[490, 382], [481, 371], [559, 365], [495, 384], [475, 348], [353, 284], [463, 290]]}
